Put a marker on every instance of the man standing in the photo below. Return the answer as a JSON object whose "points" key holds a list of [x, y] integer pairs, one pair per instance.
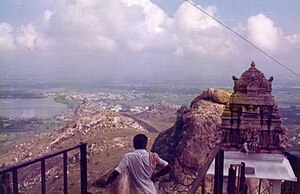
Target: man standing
{"points": [[140, 165]]}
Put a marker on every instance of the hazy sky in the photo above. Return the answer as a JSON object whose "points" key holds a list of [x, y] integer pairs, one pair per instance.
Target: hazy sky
{"points": [[145, 39]]}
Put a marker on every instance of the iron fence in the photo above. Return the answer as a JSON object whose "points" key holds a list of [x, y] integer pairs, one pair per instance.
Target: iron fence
{"points": [[83, 169]]}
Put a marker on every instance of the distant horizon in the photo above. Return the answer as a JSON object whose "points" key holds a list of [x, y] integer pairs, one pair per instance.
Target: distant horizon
{"points": [[215, 81]]}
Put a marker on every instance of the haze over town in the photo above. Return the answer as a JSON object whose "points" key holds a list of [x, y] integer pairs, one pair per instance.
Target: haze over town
{"points": [[143, 39]]}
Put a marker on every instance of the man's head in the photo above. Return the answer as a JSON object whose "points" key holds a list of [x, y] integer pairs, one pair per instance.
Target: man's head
{"points": [[140, 141]]}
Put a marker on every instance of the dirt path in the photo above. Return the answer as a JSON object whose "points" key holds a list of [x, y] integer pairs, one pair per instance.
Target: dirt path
{"points": [[149, 128]]}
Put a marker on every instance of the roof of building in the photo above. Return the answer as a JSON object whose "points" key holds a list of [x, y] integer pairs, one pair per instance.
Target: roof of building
{"points": [[259, 165]]}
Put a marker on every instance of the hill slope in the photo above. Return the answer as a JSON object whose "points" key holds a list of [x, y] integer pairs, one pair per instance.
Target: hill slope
{"points": [[107, 134]]}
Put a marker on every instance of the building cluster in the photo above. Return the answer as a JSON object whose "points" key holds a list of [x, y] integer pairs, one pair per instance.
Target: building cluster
{"points": [[106, 100], [100, 96]]}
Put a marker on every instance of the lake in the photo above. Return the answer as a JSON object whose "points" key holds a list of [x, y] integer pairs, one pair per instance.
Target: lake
{"points": [[29, 108]]}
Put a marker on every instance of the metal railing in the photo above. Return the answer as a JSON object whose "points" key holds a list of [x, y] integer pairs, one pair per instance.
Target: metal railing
{"points": [[216, 152], [261, 190], [41, 160]]}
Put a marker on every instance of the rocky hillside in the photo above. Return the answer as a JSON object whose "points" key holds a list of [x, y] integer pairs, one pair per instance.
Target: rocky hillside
{"points": [[107, 134], [160, 112]]}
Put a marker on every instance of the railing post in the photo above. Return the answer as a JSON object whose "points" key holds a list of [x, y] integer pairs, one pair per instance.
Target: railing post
{"points": [[43, 175], [218, 177], [243, 186], [65, 173], [203, 186], [231, 188], [15, 181], [259, 186], [83, 168]]}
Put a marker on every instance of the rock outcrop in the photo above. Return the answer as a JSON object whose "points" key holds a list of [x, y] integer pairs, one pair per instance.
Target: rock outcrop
{"points": [[188, 143], [214, 95], [160, 112]]}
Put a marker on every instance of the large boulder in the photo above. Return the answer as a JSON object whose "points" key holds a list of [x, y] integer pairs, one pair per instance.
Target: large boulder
{"points": [[213, 95], [188, 144]]}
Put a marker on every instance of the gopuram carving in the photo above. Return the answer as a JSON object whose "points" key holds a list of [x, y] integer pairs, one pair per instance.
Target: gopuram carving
{"points": [[251, 120]]}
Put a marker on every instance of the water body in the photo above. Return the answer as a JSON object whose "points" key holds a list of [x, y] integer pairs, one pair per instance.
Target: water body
{"points": [[30, 108]]}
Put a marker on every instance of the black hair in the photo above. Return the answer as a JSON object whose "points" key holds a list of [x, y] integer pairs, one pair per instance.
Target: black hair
{"points": [[140, 141]]}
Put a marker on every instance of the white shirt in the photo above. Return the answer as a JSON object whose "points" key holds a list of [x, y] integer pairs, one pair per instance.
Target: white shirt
{"points": [[140, 171]]}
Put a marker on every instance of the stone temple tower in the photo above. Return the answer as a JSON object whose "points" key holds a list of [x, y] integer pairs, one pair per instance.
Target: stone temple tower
{"points": [[253, 134], [251, 121]]}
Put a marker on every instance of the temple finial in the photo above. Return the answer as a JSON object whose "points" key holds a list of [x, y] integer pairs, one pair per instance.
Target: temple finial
{"points": [[252, 64]]}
